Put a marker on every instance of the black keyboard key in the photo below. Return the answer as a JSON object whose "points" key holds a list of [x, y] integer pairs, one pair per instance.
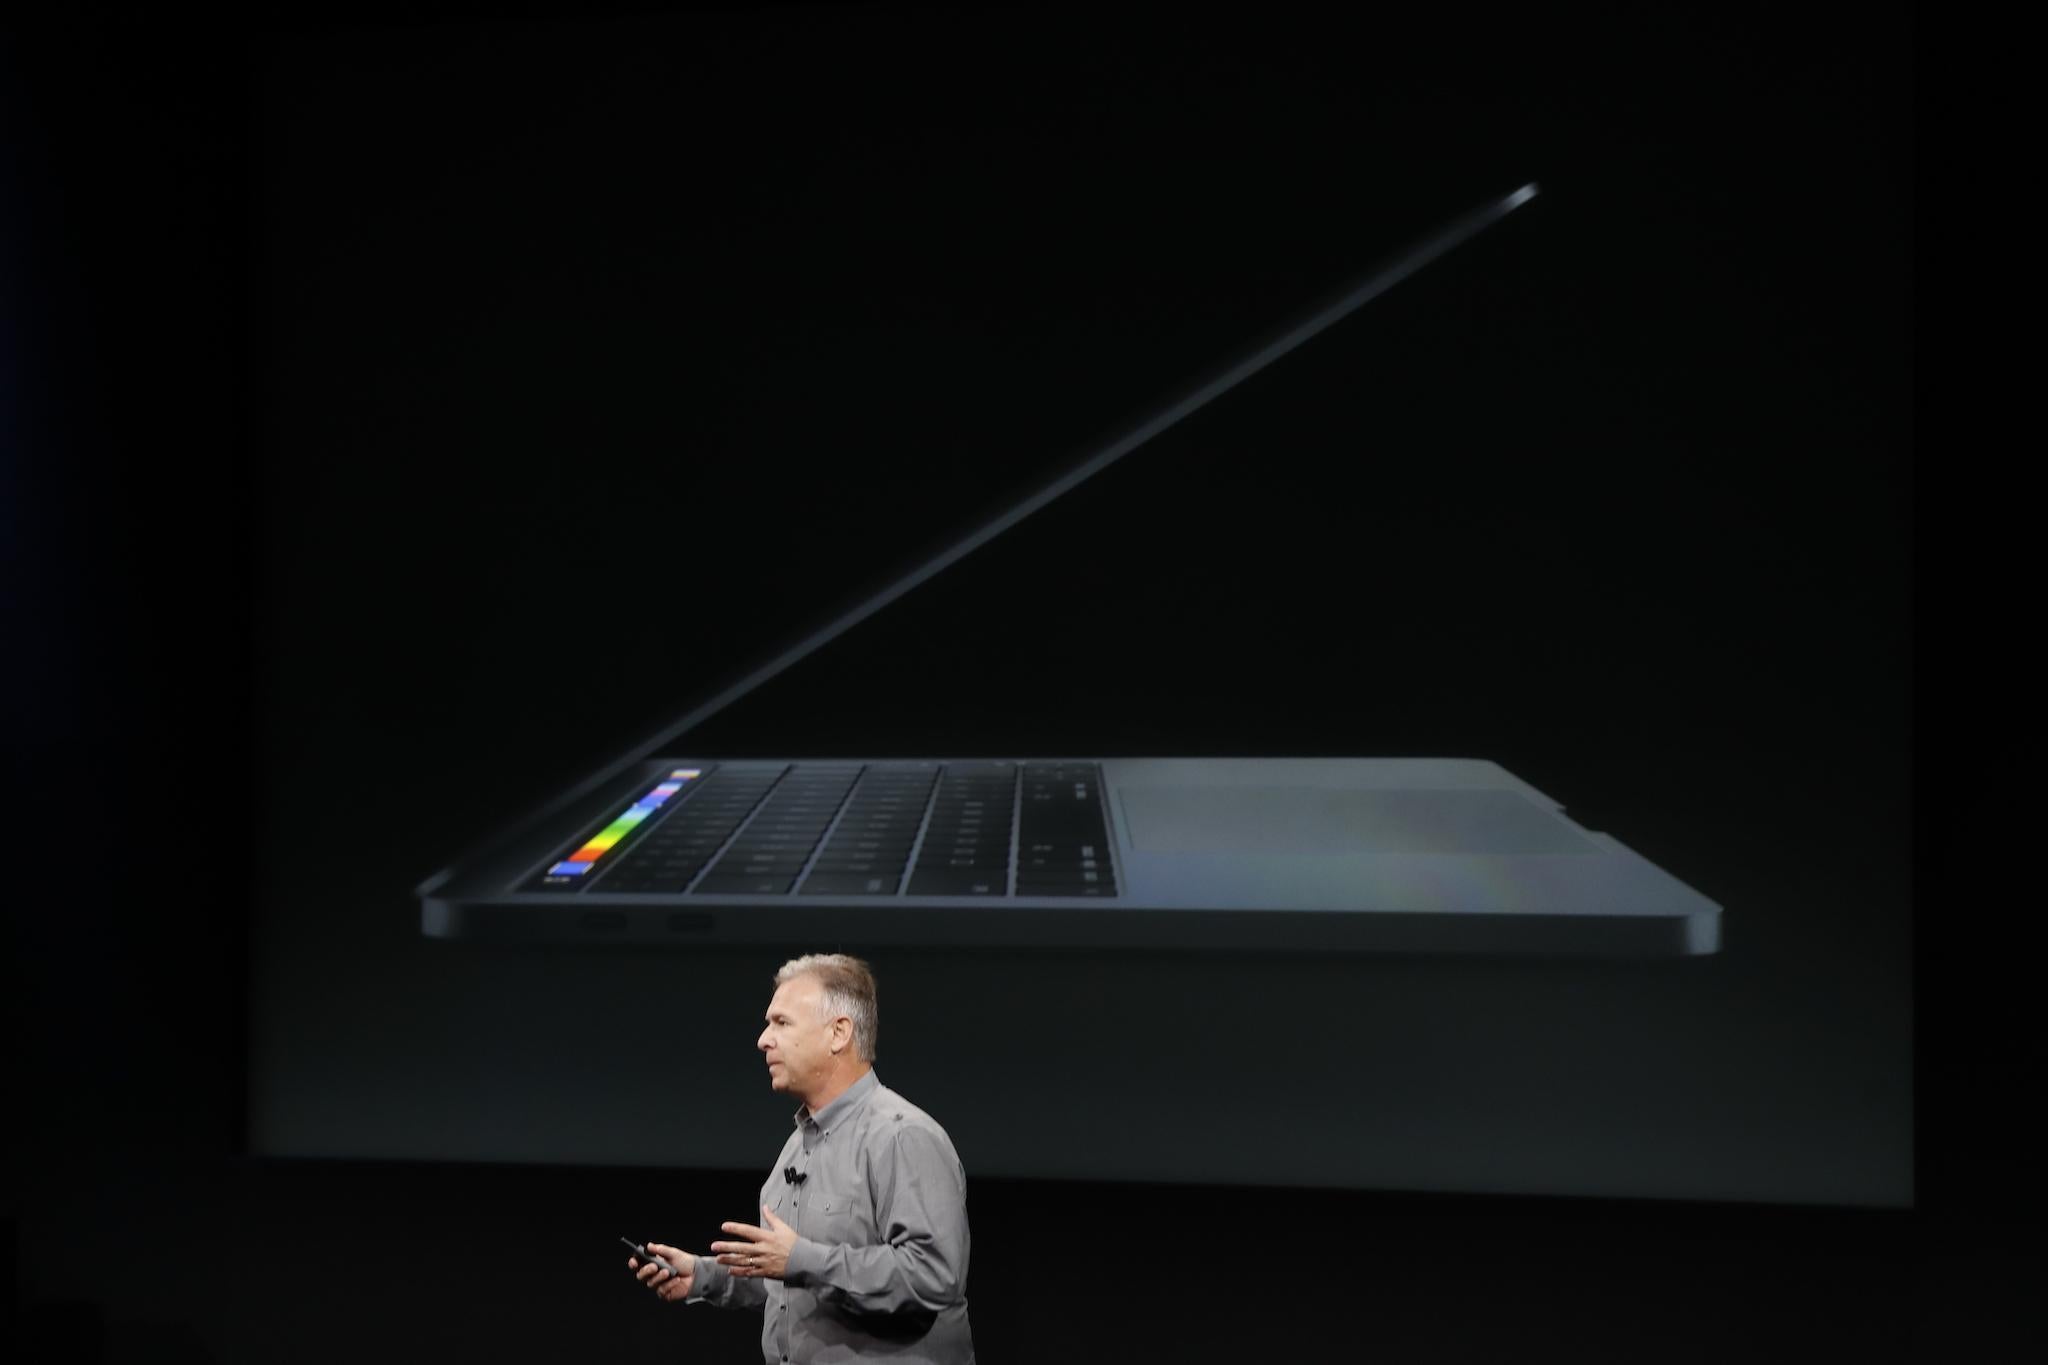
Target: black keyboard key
{"points": [[727, 884], [969, 838], [753, 870], [965, 857], [758, 867], [851, 884], [1094, 889], [867, 848], [646, 884], [952, 882]]}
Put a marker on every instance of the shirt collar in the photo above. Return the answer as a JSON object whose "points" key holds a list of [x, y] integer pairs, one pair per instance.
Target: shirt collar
{"points": [[837, 1112]]}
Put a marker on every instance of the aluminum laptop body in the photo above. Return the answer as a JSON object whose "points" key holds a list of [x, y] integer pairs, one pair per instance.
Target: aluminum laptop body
{"points": [[1399, 855]]}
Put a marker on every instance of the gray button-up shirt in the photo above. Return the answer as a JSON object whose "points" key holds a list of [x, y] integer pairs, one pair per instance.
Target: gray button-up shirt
{"points": [[879, 1271]]}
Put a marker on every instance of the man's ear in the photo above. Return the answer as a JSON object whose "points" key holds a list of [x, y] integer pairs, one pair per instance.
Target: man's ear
{"points": [[842, 1033]]}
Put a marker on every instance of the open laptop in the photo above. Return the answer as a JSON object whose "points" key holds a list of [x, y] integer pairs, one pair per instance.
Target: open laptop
{"points": [[1437, 855]]}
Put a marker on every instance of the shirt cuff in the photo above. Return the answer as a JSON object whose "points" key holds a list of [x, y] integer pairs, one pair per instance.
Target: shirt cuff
{"points": [[806, 1262], [709, 1275]]}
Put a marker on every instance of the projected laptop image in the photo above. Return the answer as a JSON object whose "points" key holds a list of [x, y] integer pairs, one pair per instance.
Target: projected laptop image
{"points": [[1387, 855]]}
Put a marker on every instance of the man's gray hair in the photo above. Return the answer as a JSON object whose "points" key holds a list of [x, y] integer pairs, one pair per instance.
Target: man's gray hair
{"points": [[849, 987]]}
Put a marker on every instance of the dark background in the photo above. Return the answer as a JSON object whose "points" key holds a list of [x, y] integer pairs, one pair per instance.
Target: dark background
{"points": [[350, 387], [596, 355]]}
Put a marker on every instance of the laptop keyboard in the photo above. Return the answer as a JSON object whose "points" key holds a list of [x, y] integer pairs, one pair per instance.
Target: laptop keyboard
{"points": [[859, 829]]}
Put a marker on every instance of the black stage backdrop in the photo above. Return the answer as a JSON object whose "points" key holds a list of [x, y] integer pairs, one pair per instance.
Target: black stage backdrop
{"points": [[415, 407]]}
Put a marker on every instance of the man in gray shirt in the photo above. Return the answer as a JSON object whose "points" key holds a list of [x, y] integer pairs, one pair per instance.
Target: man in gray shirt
{"points": [[863, 1250]]}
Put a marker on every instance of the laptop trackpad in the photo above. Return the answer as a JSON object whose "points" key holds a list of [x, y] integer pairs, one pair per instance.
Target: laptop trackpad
{"points": [[1336, 821]]}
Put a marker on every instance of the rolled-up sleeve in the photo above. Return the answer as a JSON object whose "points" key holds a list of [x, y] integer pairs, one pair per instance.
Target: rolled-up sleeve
{"points": [[920, 1201]]}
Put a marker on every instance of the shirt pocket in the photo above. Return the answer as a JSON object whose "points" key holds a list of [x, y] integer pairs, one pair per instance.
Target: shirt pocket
{"points": [[838, 1218], [776, 1196]]}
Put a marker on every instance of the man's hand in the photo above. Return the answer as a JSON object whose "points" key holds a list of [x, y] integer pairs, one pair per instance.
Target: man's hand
{"points": [[761, 1253], [671, 1287]]}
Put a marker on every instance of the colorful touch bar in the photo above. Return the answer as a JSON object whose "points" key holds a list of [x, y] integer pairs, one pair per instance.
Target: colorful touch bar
{"points": [[577, 865]]}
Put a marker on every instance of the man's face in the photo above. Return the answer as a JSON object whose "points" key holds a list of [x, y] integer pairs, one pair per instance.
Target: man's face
{"points": [[798, 1039]]}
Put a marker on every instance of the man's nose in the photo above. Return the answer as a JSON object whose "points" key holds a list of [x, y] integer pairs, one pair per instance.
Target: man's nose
{"points": [[762, 1041]]}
